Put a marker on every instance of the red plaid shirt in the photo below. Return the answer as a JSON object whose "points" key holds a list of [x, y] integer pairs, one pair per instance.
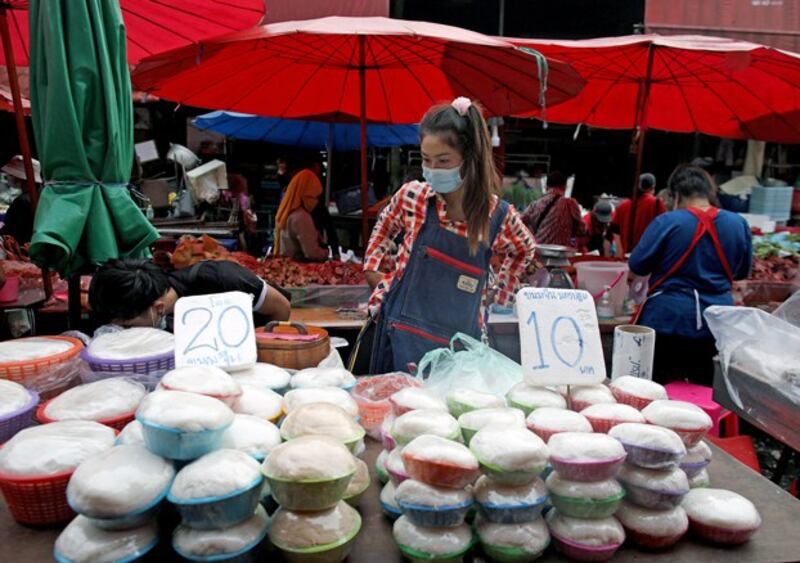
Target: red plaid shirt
{"points": [[406, 214]]}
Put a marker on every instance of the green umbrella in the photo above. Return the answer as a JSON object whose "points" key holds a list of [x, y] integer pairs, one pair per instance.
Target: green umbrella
{"points": [[83, 124]]}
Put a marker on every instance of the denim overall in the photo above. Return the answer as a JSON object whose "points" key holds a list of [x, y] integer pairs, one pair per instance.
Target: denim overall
{"points": [[439, 294]]}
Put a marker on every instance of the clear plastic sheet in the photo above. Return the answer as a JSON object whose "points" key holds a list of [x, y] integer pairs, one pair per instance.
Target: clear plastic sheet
{"points": [[532, 397], [481, 418], [653, 522], [421, 494], [408, 426], [184, 411], [721, 508], [432, 541], [672, 481], [263, 375], [440, 450], [100, 400], [474, 366], [205, 543], [132, 343], [302, 530], [533, 537], [596, 532], [333, 395], [491, 492], [585, 490], [119, 481], [259, 401], [360, 481], [509, 449], [789, 310], [322, 419], [310, 458], [131, 435], [639, 387], [648, 436], [416, 398], [204, 380], [613, 411], [150, 380], [558, 420], [54, 448], [579, 446], [323, 377], [83, 541], [13, 397], [760, 345], [55, 377], [252, 435], [216, 474], [677, 414]]}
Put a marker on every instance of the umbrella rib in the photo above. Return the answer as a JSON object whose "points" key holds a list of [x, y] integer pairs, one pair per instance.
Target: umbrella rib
{"points": [[660, 53], [380, 80], [631, 62], [347, 72]]}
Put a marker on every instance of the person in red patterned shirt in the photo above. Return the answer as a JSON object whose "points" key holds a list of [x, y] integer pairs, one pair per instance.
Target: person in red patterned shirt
{"points": [[452, 225], [555, 218]]}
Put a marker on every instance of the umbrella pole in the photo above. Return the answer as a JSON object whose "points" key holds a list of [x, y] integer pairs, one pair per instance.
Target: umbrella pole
{"points": [[362, 79], [329, 151], [19, 113]]}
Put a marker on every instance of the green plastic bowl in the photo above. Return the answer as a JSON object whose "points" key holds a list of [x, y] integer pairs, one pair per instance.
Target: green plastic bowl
{"points": [[527, 409], [351, 444], [512, 478], [457, 408], [309, 495], [586, 508], [335, 552], [355, 498], [503, 554], [416, 556]]}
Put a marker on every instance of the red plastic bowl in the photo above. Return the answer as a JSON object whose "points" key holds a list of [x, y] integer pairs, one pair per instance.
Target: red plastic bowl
{"points": [[37, 501], [586, 471], [602, 425], [580, 552], [649, 541], [544, 434], [372, 396], [628, 399], [721, 536], [440, 474], [116, 422], [690, 437]]}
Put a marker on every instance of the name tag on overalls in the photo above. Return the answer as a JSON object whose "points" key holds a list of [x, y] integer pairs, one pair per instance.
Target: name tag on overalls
{"points": [[468, 284]]}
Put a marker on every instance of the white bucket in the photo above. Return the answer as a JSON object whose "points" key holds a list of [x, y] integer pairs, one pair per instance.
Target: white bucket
{"points": [[595, 276]]}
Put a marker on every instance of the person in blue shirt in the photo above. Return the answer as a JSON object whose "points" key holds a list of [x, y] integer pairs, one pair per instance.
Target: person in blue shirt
{"points": [[692, 255]]}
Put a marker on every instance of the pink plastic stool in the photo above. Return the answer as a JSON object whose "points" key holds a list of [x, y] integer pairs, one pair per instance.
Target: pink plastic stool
{"points": [[701, 396]]}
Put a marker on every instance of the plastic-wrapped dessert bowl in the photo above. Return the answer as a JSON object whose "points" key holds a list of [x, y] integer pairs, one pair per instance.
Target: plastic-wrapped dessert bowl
{"points": [[653, 529], [599, 499], [649, 446], [512, 456], [652, 488], [721, 516], [440, 462], [504, 504], [433, 507], [577, 456]]}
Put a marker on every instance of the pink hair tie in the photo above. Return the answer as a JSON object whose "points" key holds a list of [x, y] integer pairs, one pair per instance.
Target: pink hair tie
{"points": [[461, 105]]}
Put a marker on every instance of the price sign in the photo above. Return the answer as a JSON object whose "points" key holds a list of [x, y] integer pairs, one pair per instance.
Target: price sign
{"points": [[215, 330], [559, 337]]}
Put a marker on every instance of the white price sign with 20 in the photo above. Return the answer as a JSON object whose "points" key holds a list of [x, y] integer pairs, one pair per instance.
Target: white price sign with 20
{"points": [[559, 337], [215, 330]]}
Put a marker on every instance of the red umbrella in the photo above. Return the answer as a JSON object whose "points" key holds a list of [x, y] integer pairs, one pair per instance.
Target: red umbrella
{"points": [[681, 84], [151, 26], [354, 69]]}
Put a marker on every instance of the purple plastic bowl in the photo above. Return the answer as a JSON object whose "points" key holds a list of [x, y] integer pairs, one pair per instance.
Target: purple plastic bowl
{"points": [[651, 458], [145, 365], [587, 471], [15, 421], [655, 500], [580, 552], [692, 469]]}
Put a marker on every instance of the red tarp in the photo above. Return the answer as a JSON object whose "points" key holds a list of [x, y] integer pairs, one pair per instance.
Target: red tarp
{"points": [[770, 22]]}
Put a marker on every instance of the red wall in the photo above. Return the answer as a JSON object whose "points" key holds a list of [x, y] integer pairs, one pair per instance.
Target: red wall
{"points": [[771, 22], [288, 10]]}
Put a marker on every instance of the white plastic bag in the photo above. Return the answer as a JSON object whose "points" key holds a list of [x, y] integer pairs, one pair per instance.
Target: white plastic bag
{"points": [[468, 364], [789, 310], [759, 344]]}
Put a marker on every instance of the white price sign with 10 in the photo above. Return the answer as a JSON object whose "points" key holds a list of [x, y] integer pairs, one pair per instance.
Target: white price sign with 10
{"points": [[559, 337], [215, 330]]}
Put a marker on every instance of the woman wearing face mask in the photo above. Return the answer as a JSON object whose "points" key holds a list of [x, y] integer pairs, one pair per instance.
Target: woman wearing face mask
{"points": [[453, 223], [692, 255], [131, 293]]}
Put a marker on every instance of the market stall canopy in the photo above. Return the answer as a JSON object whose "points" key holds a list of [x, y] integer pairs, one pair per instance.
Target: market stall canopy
{"points": [[310, 70], [152, 26], [83, 123], [376, 70], [306, 134], [681, 84]]}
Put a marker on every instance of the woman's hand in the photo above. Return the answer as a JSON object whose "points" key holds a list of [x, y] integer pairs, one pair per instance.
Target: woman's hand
{"points": [[373, 278]]}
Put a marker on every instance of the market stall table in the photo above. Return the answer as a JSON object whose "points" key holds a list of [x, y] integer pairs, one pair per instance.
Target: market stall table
{"points": [[326, 317], [775, 541]]}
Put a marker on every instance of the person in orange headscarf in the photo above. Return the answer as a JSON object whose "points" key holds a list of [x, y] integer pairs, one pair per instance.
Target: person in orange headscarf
{"points": [[295, 233]]}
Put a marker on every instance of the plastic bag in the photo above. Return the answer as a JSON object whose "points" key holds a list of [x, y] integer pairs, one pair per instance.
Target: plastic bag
{"points": [[474, 366], [759, 344], [789, 310]]}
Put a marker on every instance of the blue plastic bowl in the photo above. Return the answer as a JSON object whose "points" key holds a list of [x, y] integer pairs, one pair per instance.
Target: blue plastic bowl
{"points": [[247, 554], [138, 555], [512, 513], [222, 511], [130, 520], [173, 443], [436, 517], [391, 512]]}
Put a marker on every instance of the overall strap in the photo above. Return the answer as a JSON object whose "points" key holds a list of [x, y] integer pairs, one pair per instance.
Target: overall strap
{"points": [[497, 220], [699, 231], [707, 219]]}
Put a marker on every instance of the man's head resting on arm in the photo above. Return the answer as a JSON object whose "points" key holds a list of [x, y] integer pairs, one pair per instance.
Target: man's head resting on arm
{"points": [[131, 293]]}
